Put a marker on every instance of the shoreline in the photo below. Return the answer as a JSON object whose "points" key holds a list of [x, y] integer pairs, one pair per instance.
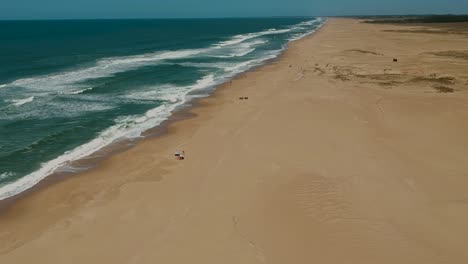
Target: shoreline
{"points": [[181, 113], [338, 149]]}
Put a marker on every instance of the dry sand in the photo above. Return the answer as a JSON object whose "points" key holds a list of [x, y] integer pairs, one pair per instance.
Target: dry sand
{"points": [[340, 155]]}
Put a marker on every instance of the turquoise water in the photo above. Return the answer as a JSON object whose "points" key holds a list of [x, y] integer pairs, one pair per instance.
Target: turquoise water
{"points": [[69, 88]]}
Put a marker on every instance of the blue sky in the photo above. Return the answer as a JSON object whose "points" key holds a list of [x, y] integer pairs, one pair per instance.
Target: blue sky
{"points": [[73, 9]]}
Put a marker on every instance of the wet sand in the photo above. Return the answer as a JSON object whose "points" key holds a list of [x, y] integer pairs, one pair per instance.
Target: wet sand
{"points": [[340, 155]]}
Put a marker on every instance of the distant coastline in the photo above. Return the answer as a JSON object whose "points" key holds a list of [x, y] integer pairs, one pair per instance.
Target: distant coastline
{"points": [[340, 154], [63, 165]]}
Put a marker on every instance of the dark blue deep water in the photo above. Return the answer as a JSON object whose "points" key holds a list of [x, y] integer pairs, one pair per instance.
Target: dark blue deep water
{"points": [[69, 88]]}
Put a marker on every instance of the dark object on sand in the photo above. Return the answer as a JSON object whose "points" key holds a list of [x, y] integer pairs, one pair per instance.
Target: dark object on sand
{"points": [[246, 98], [179, 155], [395, 60], [444, 89], [241, 98]]}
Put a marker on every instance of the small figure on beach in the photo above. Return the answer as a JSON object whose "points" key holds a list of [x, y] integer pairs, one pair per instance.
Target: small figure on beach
{"points": [[179, 155]]}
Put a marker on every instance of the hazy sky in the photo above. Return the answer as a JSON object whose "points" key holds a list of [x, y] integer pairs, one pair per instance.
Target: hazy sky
{"points": [[63, 9]]}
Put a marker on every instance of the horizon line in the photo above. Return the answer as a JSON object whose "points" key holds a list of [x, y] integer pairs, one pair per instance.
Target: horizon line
{"points": [[229, 17]]}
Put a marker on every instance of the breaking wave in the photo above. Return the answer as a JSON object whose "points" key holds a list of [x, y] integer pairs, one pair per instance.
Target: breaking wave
{"points": [[18, 102], [229, 58]]}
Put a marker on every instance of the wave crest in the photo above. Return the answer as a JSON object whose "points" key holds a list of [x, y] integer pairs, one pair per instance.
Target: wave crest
{"points": [[19, 102], [171, 96]]}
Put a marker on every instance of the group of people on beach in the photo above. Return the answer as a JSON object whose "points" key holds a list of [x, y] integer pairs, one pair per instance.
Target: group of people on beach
{"points": [[180, 155]]}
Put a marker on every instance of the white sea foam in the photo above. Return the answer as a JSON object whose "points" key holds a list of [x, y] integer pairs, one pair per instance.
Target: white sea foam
{"points": [[247, 65], [75, 92], [67, 109], [309, 23], [169, 93], [141, 60], [125, 127], [172, 93], [18, 102], [205, 82], [217, 65], [237, 54], [238, 50], [107, 67], [306, 25], [300, 36], [254, 43], [134, 126], [81, 91], [235, 40], [231, 68], [6, 175], [318, 21], [243, 37], [67, 80], [170, 96]]}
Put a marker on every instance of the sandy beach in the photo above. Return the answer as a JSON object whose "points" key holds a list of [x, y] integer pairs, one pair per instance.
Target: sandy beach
{"points": [[340, 155]]}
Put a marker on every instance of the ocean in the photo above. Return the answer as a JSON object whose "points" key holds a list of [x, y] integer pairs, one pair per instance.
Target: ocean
{"points": [[69, 88]]}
